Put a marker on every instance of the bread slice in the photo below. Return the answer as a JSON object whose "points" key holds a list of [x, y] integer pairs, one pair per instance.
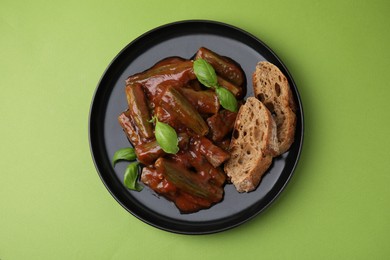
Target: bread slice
{"points": [[253, 145], [271, 87]]}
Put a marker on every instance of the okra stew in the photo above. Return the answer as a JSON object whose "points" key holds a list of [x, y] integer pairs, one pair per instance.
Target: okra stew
{"points": [[179, 121]]}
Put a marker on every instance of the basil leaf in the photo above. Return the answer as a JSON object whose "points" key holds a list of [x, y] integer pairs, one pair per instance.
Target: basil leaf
{"points": [[205, 73], [131, 176], [166, 137], [226, 99], [127, 154]]}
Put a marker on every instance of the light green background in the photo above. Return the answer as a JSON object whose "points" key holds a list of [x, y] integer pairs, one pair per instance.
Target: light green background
{"points": [[52, 202]]}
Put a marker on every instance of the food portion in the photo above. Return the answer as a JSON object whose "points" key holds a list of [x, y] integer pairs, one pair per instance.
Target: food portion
{"points": [[193, 132], [179, 120], [252, 147], [271, 87], [264, 128]]}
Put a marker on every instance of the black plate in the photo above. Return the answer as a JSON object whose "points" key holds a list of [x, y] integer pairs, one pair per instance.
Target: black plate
{"points": [[106, 136]]}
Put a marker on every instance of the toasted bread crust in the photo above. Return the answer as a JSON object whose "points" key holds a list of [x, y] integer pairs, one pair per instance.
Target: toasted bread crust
{"points": [[253, 145], [272, 88]]}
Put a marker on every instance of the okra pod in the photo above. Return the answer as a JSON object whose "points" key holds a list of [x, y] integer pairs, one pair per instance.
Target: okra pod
{"points": [[238, 92], [224, 66], [148, 152], [180, 71], [205, 101], [165, 117], [221, 124], [214, 154], [188, 181], [155, 92], [205, 169], [139, 110], [188, 203], [156, 181], [128, 126], [178, 106], [184, 201]]}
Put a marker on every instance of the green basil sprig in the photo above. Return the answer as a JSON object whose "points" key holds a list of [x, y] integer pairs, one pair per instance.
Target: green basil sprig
{"points": [[131, 173], [131, 176], [226, 99], [206, 75], [126, 154], [166, 137]]}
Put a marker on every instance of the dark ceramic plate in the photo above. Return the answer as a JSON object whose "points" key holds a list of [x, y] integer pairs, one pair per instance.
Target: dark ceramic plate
{"points": [[106, 136]]}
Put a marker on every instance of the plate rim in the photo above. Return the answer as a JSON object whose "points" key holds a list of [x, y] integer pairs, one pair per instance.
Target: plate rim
{"points": [[196, 22]]}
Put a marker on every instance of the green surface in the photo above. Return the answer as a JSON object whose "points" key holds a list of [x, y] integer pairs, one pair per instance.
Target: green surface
{"points": [[52, 202]]}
